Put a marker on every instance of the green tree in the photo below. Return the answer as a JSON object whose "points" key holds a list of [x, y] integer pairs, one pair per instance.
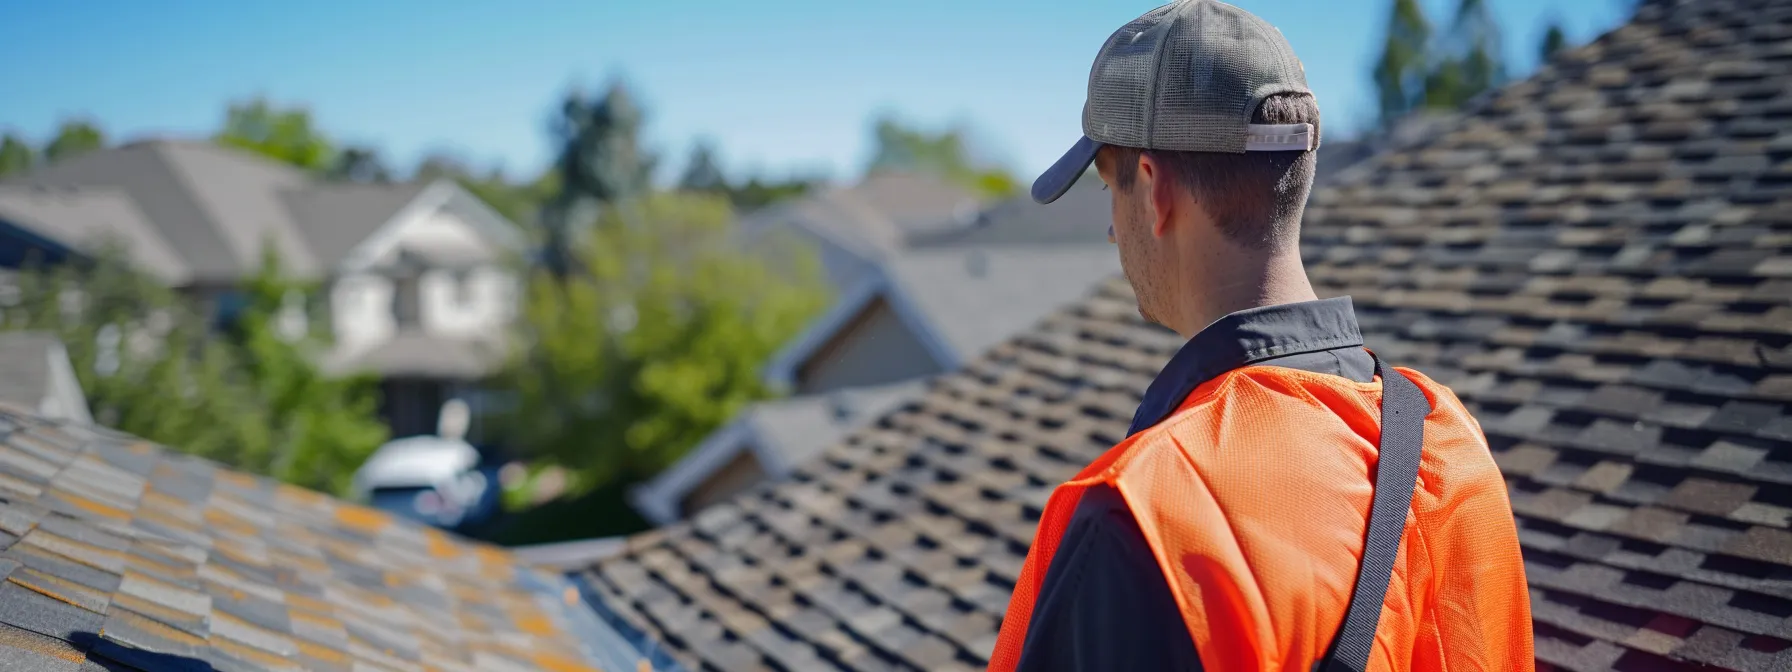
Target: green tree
{"points": [[359, 164], [74, 137], [1554, 41], [701, 172], [620, 369], [758, 192], [945, 155], [1405, 62], [150, 365], [1469, 62], [16, 156], [142, 354], [285, 135], [600, 162], [328, 425]]}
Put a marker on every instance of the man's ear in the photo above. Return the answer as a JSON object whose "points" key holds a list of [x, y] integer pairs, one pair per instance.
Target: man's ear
{"points": [[1160, 193]]}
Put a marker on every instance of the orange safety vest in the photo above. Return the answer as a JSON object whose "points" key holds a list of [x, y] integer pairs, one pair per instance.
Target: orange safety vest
{"points": [[1255, 496]]}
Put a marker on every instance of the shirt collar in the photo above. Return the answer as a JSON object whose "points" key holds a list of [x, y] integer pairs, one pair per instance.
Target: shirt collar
{"points": [[1244, 338]]}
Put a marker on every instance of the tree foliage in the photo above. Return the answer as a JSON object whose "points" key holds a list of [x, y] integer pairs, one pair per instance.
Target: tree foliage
{"points": [[16, 156], [359, 164], [328, 425], [1404, 65], [282, 134], [1554, 41], [74, 137], [703, 174], [151, 366], [623, 367], [1417, 69], [600, 163], [1469, 61], [945, 155]]}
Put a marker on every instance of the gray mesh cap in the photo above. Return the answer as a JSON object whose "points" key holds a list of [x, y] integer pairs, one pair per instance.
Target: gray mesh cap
{"points": [[1185, 77]]}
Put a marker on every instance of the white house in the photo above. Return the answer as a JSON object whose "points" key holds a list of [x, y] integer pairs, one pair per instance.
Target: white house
{"points": [[417, 284]]}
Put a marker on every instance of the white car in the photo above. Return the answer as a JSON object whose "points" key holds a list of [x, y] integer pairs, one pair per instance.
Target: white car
{"points": [[434, 479]]}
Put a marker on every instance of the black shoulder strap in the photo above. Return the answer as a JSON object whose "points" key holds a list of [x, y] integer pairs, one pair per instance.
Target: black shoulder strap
{"points": [[1403, 411]]}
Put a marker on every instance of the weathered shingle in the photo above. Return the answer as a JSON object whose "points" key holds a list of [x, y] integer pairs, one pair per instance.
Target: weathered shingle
{"points": [[1592, 258], [128, 555]]}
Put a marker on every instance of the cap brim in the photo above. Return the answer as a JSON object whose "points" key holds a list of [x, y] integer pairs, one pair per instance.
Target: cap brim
{"points": [[1058, 179]]}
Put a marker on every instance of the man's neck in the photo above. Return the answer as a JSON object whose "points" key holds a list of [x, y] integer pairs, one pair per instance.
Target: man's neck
{"points": [[1235, 282]]}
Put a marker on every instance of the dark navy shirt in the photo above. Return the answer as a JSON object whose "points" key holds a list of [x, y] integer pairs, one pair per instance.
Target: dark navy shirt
{"points": [[1104, 604]]}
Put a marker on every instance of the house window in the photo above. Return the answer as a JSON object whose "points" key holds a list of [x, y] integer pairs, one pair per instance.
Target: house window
{"points": [[406, 301]]}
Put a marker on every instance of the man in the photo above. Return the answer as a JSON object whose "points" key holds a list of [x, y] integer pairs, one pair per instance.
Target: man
{"points": [[1284, 500]]}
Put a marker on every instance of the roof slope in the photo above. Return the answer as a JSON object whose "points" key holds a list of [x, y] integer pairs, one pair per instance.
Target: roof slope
{"points": [[216, 206], [90, 218], [1598, 260], [334, 218], [1080, 216], [975, 297], [797, 428], [114, 551]]}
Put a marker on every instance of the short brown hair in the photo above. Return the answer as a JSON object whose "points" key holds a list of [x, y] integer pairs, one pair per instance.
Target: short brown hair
{"points": [[1257, 197]]}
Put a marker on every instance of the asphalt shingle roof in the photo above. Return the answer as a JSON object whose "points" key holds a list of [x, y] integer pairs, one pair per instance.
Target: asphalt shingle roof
{"points": [[118, 555], [216, 206], [334, 218], [1598, 260], [92, 218]]}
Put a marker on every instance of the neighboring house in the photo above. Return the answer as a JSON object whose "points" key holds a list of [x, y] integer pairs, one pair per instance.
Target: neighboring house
{"points": [[928, 311], [910, 314], [1597, 260], [35, 374], [853, 228], [765, 442], [118, 554], [1080, 217], [416, 285]]}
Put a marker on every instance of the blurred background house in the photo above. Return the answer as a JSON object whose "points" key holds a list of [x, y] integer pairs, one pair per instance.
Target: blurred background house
{"points": [[417, 287]]}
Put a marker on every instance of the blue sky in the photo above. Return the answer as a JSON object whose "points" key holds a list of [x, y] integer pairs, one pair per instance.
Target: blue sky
{"points": [[779, 85]]}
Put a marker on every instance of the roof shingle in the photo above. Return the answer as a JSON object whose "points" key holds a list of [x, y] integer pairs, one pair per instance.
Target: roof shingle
{"points": [[1593, 259], [115, 552]]}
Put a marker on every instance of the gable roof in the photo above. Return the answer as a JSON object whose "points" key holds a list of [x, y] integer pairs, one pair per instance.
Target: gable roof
{"points": [[1079, 217], [89, 218], [114, 551], [1598, 260], [216, 206], [869, 220], [959, 301], [781, 434], [212, 208], [334, 218]]}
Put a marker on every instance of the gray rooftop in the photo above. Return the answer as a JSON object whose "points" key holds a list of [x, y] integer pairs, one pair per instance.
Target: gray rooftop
{"points": [[798, 428], [334, 218], [202, 213], [975, 297], [1079, 217], [94, 217]]}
